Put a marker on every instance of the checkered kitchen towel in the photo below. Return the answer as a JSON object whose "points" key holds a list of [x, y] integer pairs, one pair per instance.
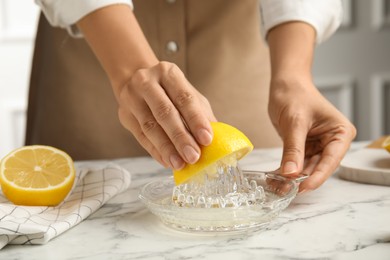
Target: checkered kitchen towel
{"points": [[94, 186]]}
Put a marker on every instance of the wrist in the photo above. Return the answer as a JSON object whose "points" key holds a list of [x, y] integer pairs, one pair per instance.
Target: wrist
{"points": [[291, 80], [291, 51], [287, 76], [118, 42]]}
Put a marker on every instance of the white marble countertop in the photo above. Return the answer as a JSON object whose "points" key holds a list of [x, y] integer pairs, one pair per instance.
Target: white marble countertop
{"points": [[340, 220]]}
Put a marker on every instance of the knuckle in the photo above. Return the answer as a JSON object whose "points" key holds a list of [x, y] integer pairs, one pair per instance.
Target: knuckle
{"points": [[195, 117], [166, 67], [178, 135], [343, 132], [292, 151], [143, 140], [353, 131], [341, 129], [184, 98], [149, 125], [287, 116], [178, 138], [297, 119], [140, 78], [124, 117], [165, 147], [170, 71], [164, 112]]}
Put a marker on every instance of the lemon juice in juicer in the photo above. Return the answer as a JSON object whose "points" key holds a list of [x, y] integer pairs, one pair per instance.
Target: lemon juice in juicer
{"points": [[214, 194]]}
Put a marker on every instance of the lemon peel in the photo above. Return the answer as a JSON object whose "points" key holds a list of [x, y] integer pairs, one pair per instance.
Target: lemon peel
{"points": [[228, 144]]}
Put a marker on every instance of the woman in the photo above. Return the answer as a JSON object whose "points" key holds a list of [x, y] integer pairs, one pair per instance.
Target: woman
{"points": [[154, 58]]}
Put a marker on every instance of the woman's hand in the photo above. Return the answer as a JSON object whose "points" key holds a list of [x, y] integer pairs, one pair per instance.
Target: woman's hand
{"points": [[166, 114], [315, 134], [157, 104]]}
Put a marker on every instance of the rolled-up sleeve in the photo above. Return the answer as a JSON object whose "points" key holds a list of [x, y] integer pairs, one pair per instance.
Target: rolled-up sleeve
{"points": [[65, 13], [324, 15]]}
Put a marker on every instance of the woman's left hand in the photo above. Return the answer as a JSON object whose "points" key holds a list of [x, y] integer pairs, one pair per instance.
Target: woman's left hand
{"points": [[315, 134]]}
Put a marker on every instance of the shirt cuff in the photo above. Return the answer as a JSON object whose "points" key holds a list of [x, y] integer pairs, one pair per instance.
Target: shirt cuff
{"points": [[65, 13], [324, 16]]}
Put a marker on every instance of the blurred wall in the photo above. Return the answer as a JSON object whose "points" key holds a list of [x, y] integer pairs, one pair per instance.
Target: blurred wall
{"points": [[17, 30], [353, 67]]}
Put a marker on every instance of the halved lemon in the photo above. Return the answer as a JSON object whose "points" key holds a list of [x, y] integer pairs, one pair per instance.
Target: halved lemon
{"points": [[229, 144], [386, 144], [37, 175]]}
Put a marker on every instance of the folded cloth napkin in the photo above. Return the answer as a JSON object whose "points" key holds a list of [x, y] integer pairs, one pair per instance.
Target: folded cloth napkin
{"points": [[94, 185]]}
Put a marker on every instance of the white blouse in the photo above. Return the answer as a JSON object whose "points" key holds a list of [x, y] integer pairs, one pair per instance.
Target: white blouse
{"points": [[324, 15]]}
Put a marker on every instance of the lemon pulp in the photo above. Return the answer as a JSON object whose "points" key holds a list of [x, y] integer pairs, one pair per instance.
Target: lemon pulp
{"points": [[37, 175]]}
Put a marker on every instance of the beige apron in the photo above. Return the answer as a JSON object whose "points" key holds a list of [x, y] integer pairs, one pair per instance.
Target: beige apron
{"points": [[217, 43]]}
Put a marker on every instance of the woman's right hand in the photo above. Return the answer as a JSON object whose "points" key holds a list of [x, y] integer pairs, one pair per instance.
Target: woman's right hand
{"points": [[166, 114], [157, 104]]}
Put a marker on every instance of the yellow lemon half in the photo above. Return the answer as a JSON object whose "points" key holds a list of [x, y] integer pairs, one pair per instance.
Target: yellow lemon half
{"points": [[37, 175], [228, 141], [386, 144]]}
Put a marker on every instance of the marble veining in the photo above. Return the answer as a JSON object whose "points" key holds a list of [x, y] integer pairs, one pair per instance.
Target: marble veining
{"points": [[340, 220]]}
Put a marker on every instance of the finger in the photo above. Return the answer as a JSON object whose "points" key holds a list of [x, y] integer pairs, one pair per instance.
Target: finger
{"points": [[205, 104], [131, 124], [185, 99], [158, 137], [139, 120], [294, 148], [330, 159], [155, 114], [311, 164], [167, 116]]}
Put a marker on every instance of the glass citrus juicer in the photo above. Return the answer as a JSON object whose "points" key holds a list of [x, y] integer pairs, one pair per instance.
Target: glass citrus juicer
{"points": [[215, 195]]}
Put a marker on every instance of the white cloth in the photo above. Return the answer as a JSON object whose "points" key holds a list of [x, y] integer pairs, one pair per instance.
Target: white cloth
{"points": [[65, 13], [37, 225], [324, 15]]}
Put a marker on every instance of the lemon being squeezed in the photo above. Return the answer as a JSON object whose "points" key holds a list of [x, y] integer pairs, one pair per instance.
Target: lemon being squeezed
{"points": [[216, 180]]}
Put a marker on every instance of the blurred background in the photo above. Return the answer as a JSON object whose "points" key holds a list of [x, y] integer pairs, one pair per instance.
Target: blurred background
{"points": [[352, 69], [18, 21]]}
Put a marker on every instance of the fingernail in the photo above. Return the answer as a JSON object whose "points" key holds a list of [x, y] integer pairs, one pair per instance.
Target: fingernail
{"points": [[290, 168], [176, 162], [190, 154], [204, 137]]}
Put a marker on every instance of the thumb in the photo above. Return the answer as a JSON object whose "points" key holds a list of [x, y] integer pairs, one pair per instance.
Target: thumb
{"points": [[293, 151]]}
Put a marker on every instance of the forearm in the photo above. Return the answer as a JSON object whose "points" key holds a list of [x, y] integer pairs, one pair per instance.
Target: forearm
{"points": [[117, 40], [315, 134], [291, 50]]}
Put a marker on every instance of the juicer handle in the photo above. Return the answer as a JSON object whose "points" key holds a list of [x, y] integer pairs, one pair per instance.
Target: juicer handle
{"points": [[276, 175]]}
